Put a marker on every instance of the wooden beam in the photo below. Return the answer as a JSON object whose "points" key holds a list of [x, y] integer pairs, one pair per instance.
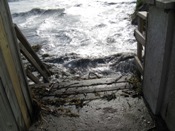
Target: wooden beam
{"points": [[142, 14], [139, 37], [138, 64], [9, 90], [28, 47], [7, 119], [32, 77], [139, 46], [102, 88], [12, 70], [32, 61], [85, 83], [8, 35]]}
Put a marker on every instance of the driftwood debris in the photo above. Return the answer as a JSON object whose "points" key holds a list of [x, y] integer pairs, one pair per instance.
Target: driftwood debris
{"points": [[83, 87]]}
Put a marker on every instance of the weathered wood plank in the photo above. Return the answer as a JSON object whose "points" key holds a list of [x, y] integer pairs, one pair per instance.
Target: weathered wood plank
{"points": [[142, 14], [32, 77], [139, 46], [93, 89], [7, 119], [28, 47], [138, 64], [32, 61], [139, 37], [93, 82], [9, 90], [84, 83], [42, 85], [10, 63], [14, 49]]}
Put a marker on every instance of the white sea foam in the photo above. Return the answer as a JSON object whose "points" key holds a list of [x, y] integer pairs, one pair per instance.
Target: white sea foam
{"points": [[86, 27]]}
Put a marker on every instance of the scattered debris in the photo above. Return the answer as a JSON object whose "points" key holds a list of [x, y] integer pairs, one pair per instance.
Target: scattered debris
{"points": [[109, 97], [45, 55], [36, 48]]}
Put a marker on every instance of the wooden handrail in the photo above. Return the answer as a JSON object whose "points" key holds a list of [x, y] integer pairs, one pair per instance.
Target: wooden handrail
{"points": [[32, 61], [142, 14], [28, 47], [141, 40], [32, 77], [139, 37], [31, 56]]}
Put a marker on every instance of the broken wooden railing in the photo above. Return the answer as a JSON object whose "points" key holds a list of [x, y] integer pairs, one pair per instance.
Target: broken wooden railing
{"points": [[140, 35], [31, 56]]}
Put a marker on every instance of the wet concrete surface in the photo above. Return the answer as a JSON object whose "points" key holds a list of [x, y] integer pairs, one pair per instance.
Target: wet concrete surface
{"points": [[117, 110]]}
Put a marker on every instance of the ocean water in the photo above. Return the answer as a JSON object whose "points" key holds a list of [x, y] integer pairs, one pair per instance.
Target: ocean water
{"points": [[85, 27], [72, 31]]}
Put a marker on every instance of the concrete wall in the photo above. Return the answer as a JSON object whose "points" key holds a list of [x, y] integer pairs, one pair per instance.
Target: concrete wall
{"points": [[159, 72], [168, 106]]}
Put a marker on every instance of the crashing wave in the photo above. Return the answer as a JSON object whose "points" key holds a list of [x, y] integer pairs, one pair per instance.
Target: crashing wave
{"points": [[122, 62], [38, 11]]}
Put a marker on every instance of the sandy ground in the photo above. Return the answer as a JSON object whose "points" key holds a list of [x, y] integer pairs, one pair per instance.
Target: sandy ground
{"points": [[92, 105]]}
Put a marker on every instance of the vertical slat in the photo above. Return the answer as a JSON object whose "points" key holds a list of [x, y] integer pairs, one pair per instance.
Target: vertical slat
{"points": [[12, 72], [10, 94], [10, 53], [13, 46], [139, 46], [7, 120], [139, 64]]}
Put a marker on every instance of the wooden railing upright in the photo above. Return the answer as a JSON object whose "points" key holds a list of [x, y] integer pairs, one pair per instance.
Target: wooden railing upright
{"points": [[140, 35]]}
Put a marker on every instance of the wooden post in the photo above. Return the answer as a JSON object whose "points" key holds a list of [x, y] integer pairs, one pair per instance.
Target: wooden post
{"points": [[32, 77], [7, 120], [11, 71], [139, 46], [160, 36]]}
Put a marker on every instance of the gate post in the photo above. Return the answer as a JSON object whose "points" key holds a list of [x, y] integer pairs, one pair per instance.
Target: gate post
{"points": [[159, 71], [13, 84]]}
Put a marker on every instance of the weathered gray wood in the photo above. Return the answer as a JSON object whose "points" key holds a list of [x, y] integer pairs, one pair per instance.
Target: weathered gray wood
{"points": [[159, 72], [32, 61], [142, 14], [7, 119], [10, 94], [32, 77], [158, 47], [93, 89], [84, 83], [28, 47], [139, 46], [10, 53], [42, 85], [93, 82], [168, 106], [138, 64], [139, 37]]}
